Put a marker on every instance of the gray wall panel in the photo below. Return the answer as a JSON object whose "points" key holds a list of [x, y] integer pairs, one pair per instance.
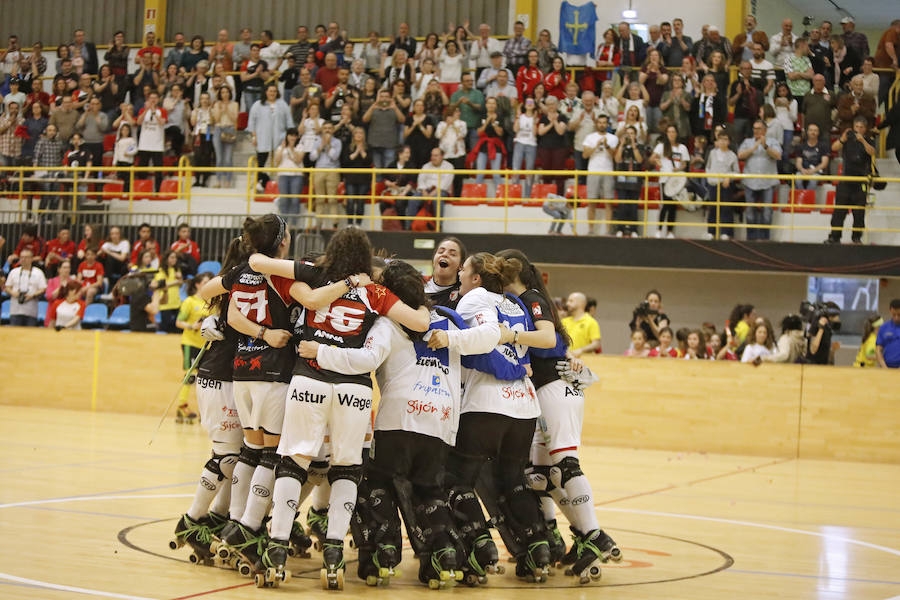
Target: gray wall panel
{"points": [[53, 21], [356, 16]]}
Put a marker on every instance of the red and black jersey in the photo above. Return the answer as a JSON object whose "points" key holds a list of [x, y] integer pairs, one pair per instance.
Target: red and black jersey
{"points": [[218, 360], [543, 361], [345, 324], [442, 295], [265, 300]]}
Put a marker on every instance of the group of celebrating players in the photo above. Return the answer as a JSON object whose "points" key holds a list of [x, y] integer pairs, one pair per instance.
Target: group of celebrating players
{"points": [[479, 405]]}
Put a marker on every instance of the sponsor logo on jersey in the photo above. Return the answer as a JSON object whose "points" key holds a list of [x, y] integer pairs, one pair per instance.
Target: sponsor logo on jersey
{"points": [[307, 396], [416, 407], [352, 401], [349, 506], [211, 384], [536, 309], [573, 392], [320, 333], [292, 504], [434, 363], [250, 279], [509, 392], [445, 413], [454, 295], [435, 380], [429, 390]]}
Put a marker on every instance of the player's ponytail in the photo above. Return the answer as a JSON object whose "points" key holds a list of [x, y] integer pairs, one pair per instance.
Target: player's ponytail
{"points": [[531, 278], [495, 272], [263, 234]]}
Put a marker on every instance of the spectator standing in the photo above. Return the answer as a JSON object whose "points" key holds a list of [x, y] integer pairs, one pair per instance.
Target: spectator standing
{"points": [[48, 154], [854, 39], [761, 154], [471, 104], [556, 78], [822, 57], [146, 76], [525, 142], [198, 83], [450, 67], [786, 113], [599, 150], [529, 76], [10, 143], [680, 45], [58, 249], [583, 123], [490, 149], [289, 160], [632, 52], [553, 147], [715, 42], [343, 128], [669, 156], [630, 156], [302, 47], [192, 58], [304, 92], [547, 51], [720, 190], [327, 155], [855, 103], [516, 48], [451, 136], [608, 58], [342, 93], [310, 128], [418, 132], [222, 52], [35, 124], [271, 51], [857, 150], [812, 158], [107, 90], [201, 122], [744, 41], [93, 125], [676, 107], [798, 70], [819, 350], [32, 67], [847, 63], [818, 104], [254, 73], [507, 97], [224, 121], [327, 75], [762, 74], [358, 185], [383, 117], [746, 99], [25, 284], [488, 75], [887, 342], [483, 50], [633, 119], [582, 329], [150, 49], [403, 41], [176, 54], [372, 53], [151, 142], [870, 77], [358, 75], [117, 56], [64, 119], [781, 45], [84, 50], [791, 346], [763, 344], [270, 118], [124, 151], [399, 68]]}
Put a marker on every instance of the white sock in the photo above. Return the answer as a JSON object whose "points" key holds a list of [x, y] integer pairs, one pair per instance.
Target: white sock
{"points": [[321, 495], [211, 486], [240, 488], [581, 504], [548, 507], [284, 507], [340, 508], [562, 501], [260, 495]]}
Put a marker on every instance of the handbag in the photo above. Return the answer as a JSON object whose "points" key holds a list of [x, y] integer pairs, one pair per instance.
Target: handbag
{"points": [[228, 137]]}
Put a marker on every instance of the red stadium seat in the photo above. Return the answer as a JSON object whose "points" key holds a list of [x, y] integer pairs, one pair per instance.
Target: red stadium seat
{"points": [[143, 189], [113, 189], [169, 189], [828, 207], [582, 194], [539, 193], [801, 201], [472, 194], [653, 197], [514, 194], [270, 194], [109, 142]]}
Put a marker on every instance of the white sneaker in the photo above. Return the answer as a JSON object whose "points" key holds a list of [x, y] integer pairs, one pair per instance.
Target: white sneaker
{"points": [[725, 237], [260, 187], [634, 234], [707, 236], [670, 236], [619, 234], [658, 234]]}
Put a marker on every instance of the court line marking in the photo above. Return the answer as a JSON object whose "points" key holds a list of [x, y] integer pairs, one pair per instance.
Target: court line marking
{"points": [[97, 495], [84, 512], [69, 588], [224, 589], [850, 579]]}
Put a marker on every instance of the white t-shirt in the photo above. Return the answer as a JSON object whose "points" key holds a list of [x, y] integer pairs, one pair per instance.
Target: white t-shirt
{"points": [[483, 392], [272, 54], [26, 282], [66, 311], [121, 247], [641, 108], [152, 136], [452, 139], [526, 135], [678, 162], [600, 160], [310, 140], [451, 67], [754, 350], [124, 150]]}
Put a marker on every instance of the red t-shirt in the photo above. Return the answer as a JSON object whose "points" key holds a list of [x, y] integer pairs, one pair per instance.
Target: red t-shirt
{"points": [[36, 246], [137, 249], [153, 50], [186, 247], [327, 78], [90, 274], [670, 352], [64, 250]]}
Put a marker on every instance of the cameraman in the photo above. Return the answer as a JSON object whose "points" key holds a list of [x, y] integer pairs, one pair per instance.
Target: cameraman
{"points": [[649, 316], [826, 319], [25, 285]]}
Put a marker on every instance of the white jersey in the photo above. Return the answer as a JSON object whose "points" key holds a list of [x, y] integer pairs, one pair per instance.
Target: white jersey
{"points": [[420, 388], [483, 392]]}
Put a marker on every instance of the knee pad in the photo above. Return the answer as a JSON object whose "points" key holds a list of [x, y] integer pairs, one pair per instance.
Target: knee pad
{"points": [[538, 478], [568, 468], [249, 456], [268, 458], [349, 472], [288, 468], [215, 464], [318, 472]]}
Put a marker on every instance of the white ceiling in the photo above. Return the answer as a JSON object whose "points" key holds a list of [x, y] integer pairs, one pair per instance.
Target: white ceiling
{"points": [[869, 14]]}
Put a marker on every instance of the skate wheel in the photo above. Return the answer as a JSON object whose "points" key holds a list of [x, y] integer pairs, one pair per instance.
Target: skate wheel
{"points": [[371, 581], [286, 576], [323, 578], [616, 555], [194, 558], [317, 545], [569, 572], [584, 580], [260, 580], [352, 544], [434, 584], [458, 575], [244, 569], [482, 580], [223, 552], [551, 572], [340, 579], [500, 570], [594, 572], [175, 544], [471, 579], [445, 576]]}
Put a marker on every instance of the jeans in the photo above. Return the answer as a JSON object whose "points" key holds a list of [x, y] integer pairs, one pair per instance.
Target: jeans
{"points": [[724, 213], [668, 213], [248, 98], [581, 162], [526, 153], [482, 163], [560, 213], [356, 207], [290, 185], [654, 114], [224, 155], [758, 215], [416, 203], [471, 138], [23, 321], [382, 157], [805, 184]]}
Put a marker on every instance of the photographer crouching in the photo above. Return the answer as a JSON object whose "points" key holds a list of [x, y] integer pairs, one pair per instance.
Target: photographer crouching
{"points": [[824, 319], [648, 316]]}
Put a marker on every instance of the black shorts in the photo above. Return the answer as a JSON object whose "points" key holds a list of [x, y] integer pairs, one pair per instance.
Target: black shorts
{"points": [[189, 355], [490, 435], [409, 455]]}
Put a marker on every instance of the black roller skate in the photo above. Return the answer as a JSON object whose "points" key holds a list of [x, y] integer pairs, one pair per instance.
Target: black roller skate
{"points": [[534, 565], [197, 535], [593, 550], [299, 541], [332, 573], [242, 547], [438, 570], [557, 545], [385, 558], [273, 573], [317, 526], [483, 559], [572, 555]]}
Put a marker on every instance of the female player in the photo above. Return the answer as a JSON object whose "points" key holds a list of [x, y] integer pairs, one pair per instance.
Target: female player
{"points": [[319, 399], [189, 319], [555, 455], [442, 287]]}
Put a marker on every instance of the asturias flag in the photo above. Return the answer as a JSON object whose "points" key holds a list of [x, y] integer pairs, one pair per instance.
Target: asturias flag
{"points": [[577, 28]]}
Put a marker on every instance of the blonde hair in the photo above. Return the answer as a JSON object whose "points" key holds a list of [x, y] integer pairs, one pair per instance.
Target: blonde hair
{"points": [[495, 272]]}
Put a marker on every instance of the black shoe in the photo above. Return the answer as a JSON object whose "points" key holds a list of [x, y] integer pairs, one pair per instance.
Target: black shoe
{"points": [[831, 240]]}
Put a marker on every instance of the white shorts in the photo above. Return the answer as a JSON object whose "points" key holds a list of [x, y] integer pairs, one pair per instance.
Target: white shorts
{"points": [[218, 414], [260, 404], [314, 408], [562, 416]]}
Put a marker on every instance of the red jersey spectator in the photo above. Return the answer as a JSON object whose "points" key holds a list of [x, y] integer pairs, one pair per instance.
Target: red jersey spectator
{"points": [[556, 80], [529, 76], [665, 348], [150, 48], [58, 249], [144, 235], [186, 247], [90, 274], [68, 311], [31, 241], [92, 237], [327, 76]]}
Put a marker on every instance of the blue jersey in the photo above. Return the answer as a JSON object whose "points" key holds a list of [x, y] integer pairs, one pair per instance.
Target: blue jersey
{"points": [[493, 362]]}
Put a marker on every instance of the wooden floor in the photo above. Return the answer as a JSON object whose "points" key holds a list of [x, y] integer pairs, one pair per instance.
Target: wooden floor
{"points": [[88, 508]]}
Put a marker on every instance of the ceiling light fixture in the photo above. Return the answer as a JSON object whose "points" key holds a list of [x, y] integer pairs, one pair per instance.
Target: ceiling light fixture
{"points": [[629, 13]]}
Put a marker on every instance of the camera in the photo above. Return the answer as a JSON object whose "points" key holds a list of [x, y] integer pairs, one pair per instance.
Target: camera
{"points": [[807, 21], [813, 311], [22, 298], [643, 309]]}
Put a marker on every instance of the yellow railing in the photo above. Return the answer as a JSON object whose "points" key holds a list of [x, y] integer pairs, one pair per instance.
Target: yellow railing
{"points": [[105, 185]]}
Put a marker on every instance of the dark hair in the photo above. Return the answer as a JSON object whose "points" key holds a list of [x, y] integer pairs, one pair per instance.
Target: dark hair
{"points": [[273, 85], [406, 282], [792, 322], [164, 262], [268, 33], [653, 291], [770, 335], [71, 286], [198, 37], [30, 229], [182, 226], [192, 282], [895, 304], [348, 252], [237, 254], [861, 119], [667, 145], [738, 313], [531, 278], [701, 349], [666, 329], [263, 234], [255, 45], [495, 272], [591, 303], [463, 253]]}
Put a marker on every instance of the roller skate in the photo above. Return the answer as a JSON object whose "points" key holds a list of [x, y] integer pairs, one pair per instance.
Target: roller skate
{"points": [[438, 569], [534, 565], [593, 550], [385, 558], [197, 535], [482, 560], [317, 523], [273, 573], [332, 573], [299, 542], [184, 414], [557, 545], [241, 547], [572, 555]]}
